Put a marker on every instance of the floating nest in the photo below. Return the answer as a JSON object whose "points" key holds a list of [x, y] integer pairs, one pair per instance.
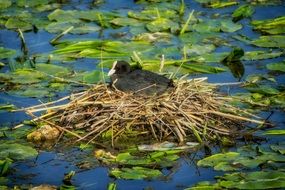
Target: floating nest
{"points": [[192, 110]]}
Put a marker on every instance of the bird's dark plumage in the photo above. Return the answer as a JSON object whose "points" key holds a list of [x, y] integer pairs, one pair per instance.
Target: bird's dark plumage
{"points": [[138, 81]]}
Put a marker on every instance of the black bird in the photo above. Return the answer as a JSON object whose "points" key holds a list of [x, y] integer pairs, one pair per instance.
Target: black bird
{"points": [[137, 81]]}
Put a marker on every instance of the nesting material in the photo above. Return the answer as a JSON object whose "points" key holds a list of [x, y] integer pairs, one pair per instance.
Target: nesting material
{"points": [[192, 109]]}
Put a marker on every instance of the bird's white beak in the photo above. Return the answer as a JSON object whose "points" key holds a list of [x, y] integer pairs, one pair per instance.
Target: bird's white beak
{"points": [[113, 70]]}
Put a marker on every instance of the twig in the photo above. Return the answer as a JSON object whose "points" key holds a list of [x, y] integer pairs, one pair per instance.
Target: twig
{"points": [[54, 40]]}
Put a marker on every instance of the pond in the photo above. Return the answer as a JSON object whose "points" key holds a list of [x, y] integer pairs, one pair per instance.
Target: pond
{"points": [[40, 65]]}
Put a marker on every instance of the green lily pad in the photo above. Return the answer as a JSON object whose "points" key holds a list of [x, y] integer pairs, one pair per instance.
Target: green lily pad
{"points": [[248, 162], [217, 4], [153, 14], [243, 11], [278, 148], [225, 166], [202, 68], [195, 37], [276, 66], [15, 23], [126, 22], [263, 89], [274, 41], [135, 173], [95, 77], [258, 55], [230, 26], [207, 27], [5, 4], [26, 76], [79, 27], [270, 26], [153, 37], [16, 151], [51, 69], [199, 49], [31, 3], [33, 92], [6, 53], [254, 180], [215, 159], [162, 24]]}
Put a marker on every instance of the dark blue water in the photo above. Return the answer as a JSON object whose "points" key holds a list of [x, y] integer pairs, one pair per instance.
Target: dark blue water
{"points": [[50, 167]]}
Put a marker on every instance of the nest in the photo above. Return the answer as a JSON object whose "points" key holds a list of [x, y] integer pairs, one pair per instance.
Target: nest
{"points": [[192, 109]]}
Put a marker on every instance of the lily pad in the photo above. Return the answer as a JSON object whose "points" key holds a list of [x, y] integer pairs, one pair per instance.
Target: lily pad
{"points": [[270, 26], [126, 22], [254, 180], [215, 159], [258, 55], [202, 68], [79, 27], [162, 24], [6, 53], [26, 76], [199, 49], [51, 69], [135, 173], [151, 14], [31, 91], [243, 11], [263, 89], [15, 23], [229, 26], [276, 66], [16, 151], [94, 77], [278, 148], [31, 3], [274, 41], [218, 4], [5, 4]]}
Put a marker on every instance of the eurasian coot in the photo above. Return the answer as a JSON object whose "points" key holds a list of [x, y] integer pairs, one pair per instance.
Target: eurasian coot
{"points": [[137, 81]]}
